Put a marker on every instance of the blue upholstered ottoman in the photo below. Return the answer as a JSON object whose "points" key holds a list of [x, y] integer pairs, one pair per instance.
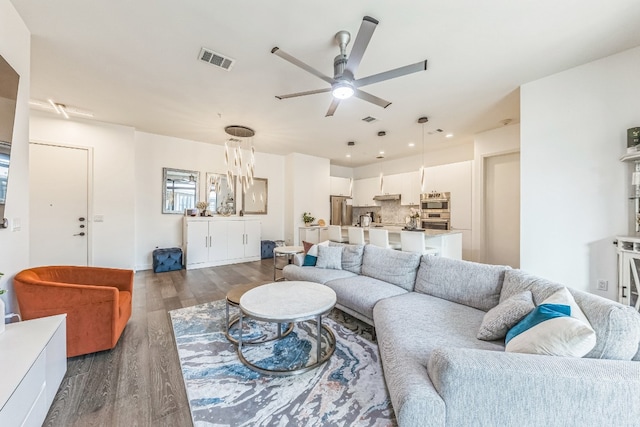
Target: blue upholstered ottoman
{"points": [[168, 259], [267, 249]]}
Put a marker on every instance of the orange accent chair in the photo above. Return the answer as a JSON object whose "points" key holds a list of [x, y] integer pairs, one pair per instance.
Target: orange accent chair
{"points": [[97, 302]]}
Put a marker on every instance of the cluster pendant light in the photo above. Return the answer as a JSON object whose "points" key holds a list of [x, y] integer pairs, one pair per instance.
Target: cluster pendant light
{"points": [[239, 156]]}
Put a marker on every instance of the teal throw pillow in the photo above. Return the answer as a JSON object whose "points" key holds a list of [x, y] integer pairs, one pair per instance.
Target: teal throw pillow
{"points": [[541, 313]]}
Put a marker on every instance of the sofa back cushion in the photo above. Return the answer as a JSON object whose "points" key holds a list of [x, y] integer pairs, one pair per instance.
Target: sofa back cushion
{"points": [[617, 326], [388, 265], [351, 256], [464, 282]]}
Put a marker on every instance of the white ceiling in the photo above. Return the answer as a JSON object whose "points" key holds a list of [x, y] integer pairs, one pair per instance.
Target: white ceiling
{"points": [[135, 63]]}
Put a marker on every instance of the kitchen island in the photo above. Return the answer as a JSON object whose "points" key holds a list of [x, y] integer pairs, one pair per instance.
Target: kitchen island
{"points": [[448, 242]]}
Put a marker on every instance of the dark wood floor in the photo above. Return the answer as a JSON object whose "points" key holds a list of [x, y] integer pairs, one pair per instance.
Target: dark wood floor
{"points": [[139, 383]]}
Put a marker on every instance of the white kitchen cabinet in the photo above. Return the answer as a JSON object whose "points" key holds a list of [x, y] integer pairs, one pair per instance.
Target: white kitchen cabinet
{"points": [[211, 241], [364, 190], [410, 189], [456, 179], [33, 355], [392, 184], [339, 186], [313, 234]]}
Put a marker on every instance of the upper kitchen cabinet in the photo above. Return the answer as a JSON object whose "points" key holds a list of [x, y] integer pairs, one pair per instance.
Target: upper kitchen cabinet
{"points": [[410, 189], [392, 184], [339, 186], [364, 190]]}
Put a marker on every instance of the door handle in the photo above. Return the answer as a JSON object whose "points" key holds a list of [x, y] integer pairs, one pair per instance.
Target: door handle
{"points": [[80, 234]]}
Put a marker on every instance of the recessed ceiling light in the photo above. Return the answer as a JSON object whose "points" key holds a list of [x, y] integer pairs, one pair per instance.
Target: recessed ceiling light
{"points": [[449, 135], [348, 155], [381, 151], [411, 144]]}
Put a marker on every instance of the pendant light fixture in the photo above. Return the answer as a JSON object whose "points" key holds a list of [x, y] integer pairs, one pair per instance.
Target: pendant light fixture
{"points": [[422, 120], [380, 156], [350, 144], [239, 156]]}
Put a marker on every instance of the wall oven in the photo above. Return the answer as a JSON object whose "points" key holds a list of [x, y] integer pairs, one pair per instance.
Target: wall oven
{"points": [[436, 210]]}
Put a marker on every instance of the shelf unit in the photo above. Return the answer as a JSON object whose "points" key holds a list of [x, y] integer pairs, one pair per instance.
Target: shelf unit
{"points": [[628, 249]]}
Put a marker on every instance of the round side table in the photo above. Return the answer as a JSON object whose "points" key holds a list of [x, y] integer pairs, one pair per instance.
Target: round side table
{"points": [[284, 251]]}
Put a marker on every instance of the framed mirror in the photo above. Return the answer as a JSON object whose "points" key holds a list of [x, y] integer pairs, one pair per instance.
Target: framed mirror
{"points": [[9, 80], [254, 200], [221, 194], [179, 190]]}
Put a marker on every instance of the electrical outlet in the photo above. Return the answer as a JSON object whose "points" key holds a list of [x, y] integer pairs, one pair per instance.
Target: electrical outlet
{"points": [[603, 285]]}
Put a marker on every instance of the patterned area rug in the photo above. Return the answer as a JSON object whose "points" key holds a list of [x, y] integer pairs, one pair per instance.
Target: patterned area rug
{"points": [[348, 390]]}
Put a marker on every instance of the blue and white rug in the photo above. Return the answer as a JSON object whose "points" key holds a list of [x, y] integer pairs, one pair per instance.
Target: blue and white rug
{"points": [[348, 390]]}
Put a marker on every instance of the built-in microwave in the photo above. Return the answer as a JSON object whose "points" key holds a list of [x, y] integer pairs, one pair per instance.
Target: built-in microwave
{"points": [[435, 202]]}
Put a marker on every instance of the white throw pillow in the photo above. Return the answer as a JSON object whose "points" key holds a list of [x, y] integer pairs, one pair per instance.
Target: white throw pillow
{"points": [[557, 327]]}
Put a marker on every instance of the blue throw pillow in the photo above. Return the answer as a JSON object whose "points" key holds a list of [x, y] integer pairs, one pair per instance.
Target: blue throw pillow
{"points": [[309, 261], [542, 313]]}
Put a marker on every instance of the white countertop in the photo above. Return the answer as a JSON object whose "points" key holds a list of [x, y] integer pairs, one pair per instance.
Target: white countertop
{"points": [[399, 228]]}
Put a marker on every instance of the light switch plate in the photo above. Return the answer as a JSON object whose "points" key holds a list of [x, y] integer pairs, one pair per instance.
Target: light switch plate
{"points": [[98, 218]]}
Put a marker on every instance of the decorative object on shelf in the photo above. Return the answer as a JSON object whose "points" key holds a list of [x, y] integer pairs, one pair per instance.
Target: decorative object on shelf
{"points": [[239, 155], [307, 218], [322, 222], [633, 139], [202, 206]]}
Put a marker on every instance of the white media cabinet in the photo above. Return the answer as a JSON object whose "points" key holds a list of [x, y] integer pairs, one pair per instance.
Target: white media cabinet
{"points": [[33, 361], [218, 240]]}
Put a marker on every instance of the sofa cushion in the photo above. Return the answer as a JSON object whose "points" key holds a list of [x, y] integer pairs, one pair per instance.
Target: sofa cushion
{"points": [[497, 322], [557, 327], [313, 274], [617, 326], [390, 266], [473, 284], [329, 257], [361, 293], [351, 256], [311, 253]]}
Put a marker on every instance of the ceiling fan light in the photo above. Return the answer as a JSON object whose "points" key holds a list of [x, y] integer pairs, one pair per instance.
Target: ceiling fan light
{"points": [[342, 90]]}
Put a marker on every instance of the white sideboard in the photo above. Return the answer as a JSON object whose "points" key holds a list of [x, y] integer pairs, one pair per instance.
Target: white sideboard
{"points": [[212, 241], [33, 359], [313, 234]]}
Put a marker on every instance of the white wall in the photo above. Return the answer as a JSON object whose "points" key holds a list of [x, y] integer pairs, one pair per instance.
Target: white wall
{"points": [[441, 156], [574, 187], [15, 46], [308, 191], [154, 152], [494, 142], [113, 190]]}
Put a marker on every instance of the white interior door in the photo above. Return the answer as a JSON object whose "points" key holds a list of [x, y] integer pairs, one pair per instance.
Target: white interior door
{"points": [[58, 213], [502, 209]]}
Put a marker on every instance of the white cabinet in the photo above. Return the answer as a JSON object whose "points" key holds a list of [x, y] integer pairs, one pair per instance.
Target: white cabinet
{"points": [[410, 189], [313, 234], [215, 241], [339, 186], [456, 179], [392, 184], [364, 190], [34, 357]]}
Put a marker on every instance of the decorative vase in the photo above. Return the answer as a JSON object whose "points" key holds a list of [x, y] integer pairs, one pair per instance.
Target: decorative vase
{"points": [[307, 224], [1, 316]]}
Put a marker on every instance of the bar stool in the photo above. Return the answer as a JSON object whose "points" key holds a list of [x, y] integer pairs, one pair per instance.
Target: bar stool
{"points": [[356, 236], [380, 237], [335, 234], [413, 241]]}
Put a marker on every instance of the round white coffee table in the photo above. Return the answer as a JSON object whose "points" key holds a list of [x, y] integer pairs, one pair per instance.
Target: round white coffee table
{"points": [[289, 301]]}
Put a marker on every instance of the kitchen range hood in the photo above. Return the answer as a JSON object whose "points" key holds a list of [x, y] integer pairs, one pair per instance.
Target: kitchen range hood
{"points": [[387, 197]]}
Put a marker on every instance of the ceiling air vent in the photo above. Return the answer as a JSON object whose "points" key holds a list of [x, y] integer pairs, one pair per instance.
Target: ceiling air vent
{"points": [[214, 58], [369, 119]]}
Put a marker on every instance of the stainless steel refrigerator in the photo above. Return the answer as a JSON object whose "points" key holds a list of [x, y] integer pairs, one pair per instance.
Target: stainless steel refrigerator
{"points": [[341, 210]]}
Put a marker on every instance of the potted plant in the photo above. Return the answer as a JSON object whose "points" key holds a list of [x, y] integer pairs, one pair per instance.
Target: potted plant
{"points": [[307, 218], [203, 207]]}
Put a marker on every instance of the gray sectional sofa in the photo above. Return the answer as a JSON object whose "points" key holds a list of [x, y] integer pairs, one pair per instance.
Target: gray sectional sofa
{"points": [[427, 312]]}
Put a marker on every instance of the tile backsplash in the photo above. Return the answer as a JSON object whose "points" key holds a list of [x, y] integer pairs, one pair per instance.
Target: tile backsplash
{"points": [[389, 212]]}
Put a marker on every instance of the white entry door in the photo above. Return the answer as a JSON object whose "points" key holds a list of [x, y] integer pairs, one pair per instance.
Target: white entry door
{"points": [[58, 213], [502, 210]]}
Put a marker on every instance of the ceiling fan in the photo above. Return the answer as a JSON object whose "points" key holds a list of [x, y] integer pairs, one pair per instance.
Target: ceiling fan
{"points": [[344, 84]]}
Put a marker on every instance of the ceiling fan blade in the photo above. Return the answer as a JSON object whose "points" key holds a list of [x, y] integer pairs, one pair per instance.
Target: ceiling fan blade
{"points": [[391, 74], [371, 98], [332, 107], [309, 92], [360, 44], [284, 55]]}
